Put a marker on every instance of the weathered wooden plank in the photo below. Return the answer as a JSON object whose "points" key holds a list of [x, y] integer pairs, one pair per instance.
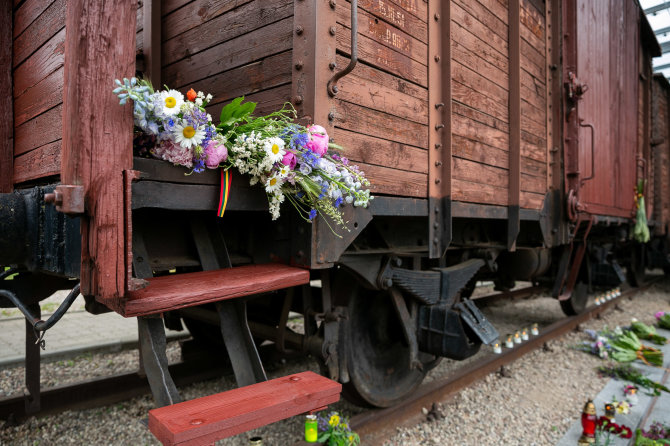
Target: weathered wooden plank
{"points": [[497, 24], [41, 130], [469, 192], [371, 122], [257, 76], [47, 94], [533, 90], [477, 100], [475, 81], [533, 61], [392, 12], [380, 77], [39, 32], [496, 7], [463, 20], [477, 131], [27, 13], [49, 58], [360, 89], [535, 184], [383, 33], [380, 56], [268, 101], [380, 152], [388, 181], [224, 27], [6, 102], [178, 20], [483, 118], [474, 62], [530, 200], [473, 172], [484, 154], [42, 162], [532, 113], [533, 28], [236, 52], [100, 47], [533, 147]]}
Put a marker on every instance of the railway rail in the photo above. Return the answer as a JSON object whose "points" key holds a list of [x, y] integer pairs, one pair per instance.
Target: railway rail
{"points": [[372, 425], [375, 425]]}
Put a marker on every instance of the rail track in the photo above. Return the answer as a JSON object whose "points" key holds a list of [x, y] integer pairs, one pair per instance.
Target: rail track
{"points": [[372, 425], [375, 425]]}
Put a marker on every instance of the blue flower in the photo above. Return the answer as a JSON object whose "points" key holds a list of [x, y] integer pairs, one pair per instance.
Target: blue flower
{"points": [[198, 165], [312, 214], [338, 202]]}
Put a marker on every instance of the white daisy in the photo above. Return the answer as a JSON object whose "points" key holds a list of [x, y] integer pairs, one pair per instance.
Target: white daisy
{"points": [[274, 149], [171, 102], [273, 184], [284, 171], [188, 136]]}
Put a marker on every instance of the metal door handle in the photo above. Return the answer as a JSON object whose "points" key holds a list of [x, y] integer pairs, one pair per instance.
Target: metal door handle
{"points": [[593, 145], [332, 83]]}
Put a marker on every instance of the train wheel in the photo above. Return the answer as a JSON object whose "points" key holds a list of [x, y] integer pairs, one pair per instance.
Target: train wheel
{"points": [[377, 352], [577, 301]]}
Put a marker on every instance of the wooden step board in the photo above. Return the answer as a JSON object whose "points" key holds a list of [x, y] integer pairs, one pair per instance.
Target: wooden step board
{"points": [[176, 291], [205, 420]]}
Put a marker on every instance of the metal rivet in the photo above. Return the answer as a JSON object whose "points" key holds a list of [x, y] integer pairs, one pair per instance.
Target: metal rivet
{"points": [[298, 65], [436, 240], [332, 4], [438, 163], [332, 66], [298, 100], [439, 126], [438, 145], [389, 282], [436, 225], [439, 104], [437, 17], [437, 210], [335, 89], [437, 181], [299, 30], [437, 58], [331, 116], [332, 30]]}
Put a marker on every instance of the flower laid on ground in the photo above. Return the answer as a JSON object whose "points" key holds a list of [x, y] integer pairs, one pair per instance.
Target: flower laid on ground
{"points": [[663, 319], [627, 372], [600, 342], [627, 348], [291, 162], [647, 332], [335, 431], [657, 435], [605, 425]]}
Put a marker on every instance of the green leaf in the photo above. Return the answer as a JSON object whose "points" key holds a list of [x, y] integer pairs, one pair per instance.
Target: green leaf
{"points": [[228, 111]]}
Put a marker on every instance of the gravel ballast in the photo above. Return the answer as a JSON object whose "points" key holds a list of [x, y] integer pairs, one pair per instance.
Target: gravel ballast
{"points": [[533, 404]]}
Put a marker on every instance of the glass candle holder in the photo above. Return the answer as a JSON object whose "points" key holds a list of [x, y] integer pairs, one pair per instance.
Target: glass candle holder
{"points": [[524, 334], [509, 341], [496, 348], [311, 429], [534, 330], [517, 338]]}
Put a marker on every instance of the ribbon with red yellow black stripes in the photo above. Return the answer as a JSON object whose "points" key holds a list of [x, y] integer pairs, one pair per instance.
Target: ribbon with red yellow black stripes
{"points": [[226, 179]]}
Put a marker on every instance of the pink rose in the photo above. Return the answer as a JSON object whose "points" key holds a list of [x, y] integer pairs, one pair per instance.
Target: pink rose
{"points": [[216, 153], [289, 160], [318, 140], [660, 314]]}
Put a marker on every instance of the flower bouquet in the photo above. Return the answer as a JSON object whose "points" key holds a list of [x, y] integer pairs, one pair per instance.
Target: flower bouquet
{"points": [[663, 319], [627, 372], [627, 348], [647, 332], [336, 431], [291, 162]]}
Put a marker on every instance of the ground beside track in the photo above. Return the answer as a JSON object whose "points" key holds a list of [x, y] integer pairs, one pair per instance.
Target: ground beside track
{"points": [[536, 405]]}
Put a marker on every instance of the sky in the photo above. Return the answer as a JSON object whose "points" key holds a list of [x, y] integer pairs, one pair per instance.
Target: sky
{"points": [[658, 21]]}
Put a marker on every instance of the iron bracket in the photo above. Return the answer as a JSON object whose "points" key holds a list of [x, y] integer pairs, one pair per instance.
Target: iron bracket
{"points": [[68, 199]]}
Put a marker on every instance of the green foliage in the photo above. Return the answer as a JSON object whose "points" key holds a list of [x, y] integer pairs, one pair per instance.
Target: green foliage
{"points": [[627, 372], [337, 432], [235, 113]]}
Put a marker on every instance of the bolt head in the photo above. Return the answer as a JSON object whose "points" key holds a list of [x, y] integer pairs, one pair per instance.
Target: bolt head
{"points": [[332, 66], [299, 29], [332, 30]]}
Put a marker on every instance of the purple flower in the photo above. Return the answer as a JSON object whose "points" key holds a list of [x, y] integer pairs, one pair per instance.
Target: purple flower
{"points": [[318, 142], [312, 214], [660, 314], [338, 202], [289, 160], [198, 165], [216, 153]]}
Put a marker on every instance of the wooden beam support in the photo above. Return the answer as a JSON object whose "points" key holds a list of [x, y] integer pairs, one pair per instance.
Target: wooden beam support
{"points": [[151, 32], [97, 134], [439, 127], [6, 100], [513, 221]]}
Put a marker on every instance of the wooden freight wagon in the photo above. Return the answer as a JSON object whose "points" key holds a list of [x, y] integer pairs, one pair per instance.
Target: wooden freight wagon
{"points": [[498, 137]]}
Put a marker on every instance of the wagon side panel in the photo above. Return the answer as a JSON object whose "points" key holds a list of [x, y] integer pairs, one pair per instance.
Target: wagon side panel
{"points": [[236, 49], [37, 65], [381, 108], [660, 161]]}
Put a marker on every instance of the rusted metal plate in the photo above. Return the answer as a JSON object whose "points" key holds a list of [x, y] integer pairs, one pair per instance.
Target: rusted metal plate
{"points": [[602, 44], [439, 126]]}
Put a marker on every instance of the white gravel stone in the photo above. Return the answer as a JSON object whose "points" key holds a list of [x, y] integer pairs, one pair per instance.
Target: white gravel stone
{"points": [[535, 406]]}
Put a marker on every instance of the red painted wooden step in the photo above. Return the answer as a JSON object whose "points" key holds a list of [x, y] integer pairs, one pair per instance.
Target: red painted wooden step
{"points": [[176, 291], [208, 419]]}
